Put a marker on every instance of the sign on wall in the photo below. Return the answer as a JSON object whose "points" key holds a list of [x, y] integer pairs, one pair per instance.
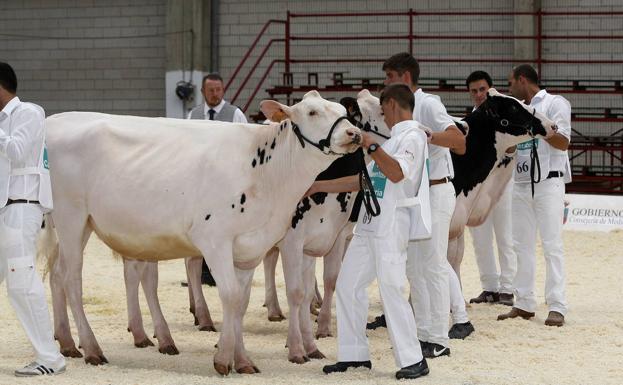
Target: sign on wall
{"points": [[594, 212]]}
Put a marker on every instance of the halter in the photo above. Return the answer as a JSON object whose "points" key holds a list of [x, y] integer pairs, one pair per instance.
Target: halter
{"points": [[323, 145], [367, 128]]}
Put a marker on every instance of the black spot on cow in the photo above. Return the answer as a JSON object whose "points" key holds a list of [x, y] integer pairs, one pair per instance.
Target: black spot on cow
{"points": [[254, 163], [505, 161], [321, 220], [301, 208], [261, 154], [269, 157], [273, 144], [242, 209], [343, 198], [318, 198], [232, 205], [243, 198], [282, 126], [208, 216]]}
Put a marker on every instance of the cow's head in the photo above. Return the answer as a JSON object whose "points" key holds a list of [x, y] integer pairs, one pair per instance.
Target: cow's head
{"points": [[318, 121], [513, 119], [372, 115]]}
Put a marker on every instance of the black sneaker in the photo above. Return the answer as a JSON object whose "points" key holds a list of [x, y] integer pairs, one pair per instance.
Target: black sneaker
{"points": [[486, 297], [379, 322], [342, 366], [413, 371], [434, 350], [460, 331]]}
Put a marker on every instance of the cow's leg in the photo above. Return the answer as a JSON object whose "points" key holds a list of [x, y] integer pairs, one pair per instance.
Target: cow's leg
{"points": [[456, 248], [73, 235], [220, 260], [62, 331], [132, 278], [331, 264], [149, 281], [191, 298], [292, 260], [316, 301], [199, 307], [307, 332], [242, 363], [270, 288]]}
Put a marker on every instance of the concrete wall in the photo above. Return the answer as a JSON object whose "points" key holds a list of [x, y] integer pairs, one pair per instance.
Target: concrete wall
{"points": [[71, 54]]}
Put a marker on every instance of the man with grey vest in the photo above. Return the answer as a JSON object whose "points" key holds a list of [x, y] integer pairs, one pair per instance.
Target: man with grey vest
{"points": [[214, 108]]}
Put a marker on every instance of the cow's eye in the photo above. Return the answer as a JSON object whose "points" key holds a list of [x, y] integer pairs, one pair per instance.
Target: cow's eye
{"points": [[312, 113]]}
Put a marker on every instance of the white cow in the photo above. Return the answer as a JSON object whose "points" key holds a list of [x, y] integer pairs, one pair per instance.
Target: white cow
{"points": [[320, 228], [156, 189]]}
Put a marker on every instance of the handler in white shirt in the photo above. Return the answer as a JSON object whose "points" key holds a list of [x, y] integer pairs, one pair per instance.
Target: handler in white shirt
{"points": [[379, 246], [542, 208], [25, 194]]}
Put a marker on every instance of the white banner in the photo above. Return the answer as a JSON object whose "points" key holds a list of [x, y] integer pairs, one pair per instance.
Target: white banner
{"points": [[593, 212]]}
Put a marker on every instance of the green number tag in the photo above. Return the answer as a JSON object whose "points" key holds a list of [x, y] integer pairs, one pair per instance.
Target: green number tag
{"points": [[528, 145], [45, 158], [378, 181]]}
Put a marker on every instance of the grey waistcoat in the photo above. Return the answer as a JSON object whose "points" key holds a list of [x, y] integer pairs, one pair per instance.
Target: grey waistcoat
{"points": [[225, 115]]}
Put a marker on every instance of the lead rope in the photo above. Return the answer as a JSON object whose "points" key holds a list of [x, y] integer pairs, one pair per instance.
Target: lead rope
{"points": [[534, 160], [367, 189]]}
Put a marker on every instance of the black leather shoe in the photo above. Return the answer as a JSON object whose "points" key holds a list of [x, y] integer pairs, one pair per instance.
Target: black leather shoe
{"points": [[507, 299], [434, 350], [379, 322], [342, 366], [460, 331], [413, 371], [486, 297]]}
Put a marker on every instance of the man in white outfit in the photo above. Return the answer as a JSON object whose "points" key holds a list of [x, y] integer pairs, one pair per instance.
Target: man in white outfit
{"points": [[538, 201], [379, 245], [25, 194], [427, 266], [497, 287]]}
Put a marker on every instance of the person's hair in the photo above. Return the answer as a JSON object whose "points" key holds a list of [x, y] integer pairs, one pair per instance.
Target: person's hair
{"points": [[478, 75], [8, 80], [211, 76], [527, 71], [402, 62], [401, 93]]}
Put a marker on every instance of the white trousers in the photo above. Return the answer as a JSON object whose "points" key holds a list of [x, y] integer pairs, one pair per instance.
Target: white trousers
{"points": [[457, 302], [427, 270], [500, 221], [545, 213], [384, 259], [19, 226]]}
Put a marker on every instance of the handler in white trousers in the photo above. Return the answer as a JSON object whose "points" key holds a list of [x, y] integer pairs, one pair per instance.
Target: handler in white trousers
{"points": [[25, 194], [427, 266], [538, 201], [379, 245], [497, 286]]}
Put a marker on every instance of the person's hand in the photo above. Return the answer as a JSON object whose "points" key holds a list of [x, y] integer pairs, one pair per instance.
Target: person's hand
{"points": [[428, 132], [366, 140], [310, 191]]}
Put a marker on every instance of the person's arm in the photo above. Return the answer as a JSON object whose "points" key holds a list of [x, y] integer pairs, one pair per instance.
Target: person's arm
{"points": [[388, 165], [451, 138], [239, 117], [562, 118], [28, 127], [344, 184]]}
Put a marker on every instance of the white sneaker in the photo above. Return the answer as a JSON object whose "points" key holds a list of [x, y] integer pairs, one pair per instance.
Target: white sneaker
{"points": [[37, 369]]}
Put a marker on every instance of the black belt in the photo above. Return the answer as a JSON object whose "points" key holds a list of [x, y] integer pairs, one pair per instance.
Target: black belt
{"points": [[433, 182], [554, 174], [11, 201]]}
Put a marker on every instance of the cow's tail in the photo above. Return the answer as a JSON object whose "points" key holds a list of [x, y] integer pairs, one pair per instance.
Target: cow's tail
{"points": [[47, 244]]}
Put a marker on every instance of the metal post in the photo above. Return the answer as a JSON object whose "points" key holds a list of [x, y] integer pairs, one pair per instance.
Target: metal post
{"points": [[539, 42], [411, 31]]}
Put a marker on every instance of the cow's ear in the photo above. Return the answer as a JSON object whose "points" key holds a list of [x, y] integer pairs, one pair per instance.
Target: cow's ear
{"points": [[312, 94], [275, 111], [363, 93]]}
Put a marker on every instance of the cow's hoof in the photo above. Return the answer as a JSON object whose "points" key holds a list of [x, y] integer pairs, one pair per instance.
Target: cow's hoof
{"points": [[96, 360], [299, 360], [316, 355], [276, 318], [251, 369], [170, 350], [314, 311], [207, 328], [196, 321], [144, 343], [221, 369], [320, 335], [71, 352]]}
